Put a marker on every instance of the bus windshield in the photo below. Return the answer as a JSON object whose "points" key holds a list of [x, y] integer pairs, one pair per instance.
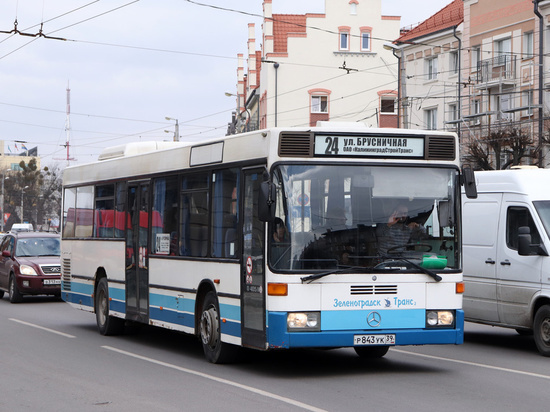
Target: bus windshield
{"points": [[346, 216]]}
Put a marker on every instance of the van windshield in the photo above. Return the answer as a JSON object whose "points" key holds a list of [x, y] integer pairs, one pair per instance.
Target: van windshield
{"points": [[543, 209], [330, 217]]}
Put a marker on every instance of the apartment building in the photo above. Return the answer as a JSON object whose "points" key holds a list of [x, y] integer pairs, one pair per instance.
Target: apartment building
{"points": [[475, 68]]}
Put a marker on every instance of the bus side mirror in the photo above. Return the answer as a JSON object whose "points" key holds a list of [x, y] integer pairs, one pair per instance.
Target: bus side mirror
{"points": [[266, 202], [469, 182]]}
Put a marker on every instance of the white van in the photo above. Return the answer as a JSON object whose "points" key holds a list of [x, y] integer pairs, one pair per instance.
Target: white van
{"points": [[22, 227], [506, 241]]}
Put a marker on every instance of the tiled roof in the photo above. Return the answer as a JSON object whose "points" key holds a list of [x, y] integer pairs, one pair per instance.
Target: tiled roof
{"points": [[283, 24], [449, 16]]}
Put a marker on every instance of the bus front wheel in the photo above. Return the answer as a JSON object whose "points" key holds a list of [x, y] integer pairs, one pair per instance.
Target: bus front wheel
{"points": [[107, 324], [541, 330], [214, 349]]}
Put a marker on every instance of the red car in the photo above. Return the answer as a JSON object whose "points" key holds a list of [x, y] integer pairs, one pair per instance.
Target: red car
{"points": [[30, 265]]}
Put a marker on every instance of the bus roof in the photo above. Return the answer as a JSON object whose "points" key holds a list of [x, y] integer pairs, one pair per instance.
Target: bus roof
{"points": [[147, 158]]}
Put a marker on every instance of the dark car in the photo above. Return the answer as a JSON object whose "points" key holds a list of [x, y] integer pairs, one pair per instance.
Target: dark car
{"points": [[30, 265]]}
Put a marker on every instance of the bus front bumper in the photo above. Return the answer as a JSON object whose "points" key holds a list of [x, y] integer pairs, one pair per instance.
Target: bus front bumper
{"points": [[280, 338]]}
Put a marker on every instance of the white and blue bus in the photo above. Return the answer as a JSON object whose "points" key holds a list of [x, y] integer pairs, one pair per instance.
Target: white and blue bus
{"points": [[331, 236]]}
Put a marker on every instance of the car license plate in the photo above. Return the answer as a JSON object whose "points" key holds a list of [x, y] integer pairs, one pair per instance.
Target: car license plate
{"points": [[359, 340], [52, 281]]}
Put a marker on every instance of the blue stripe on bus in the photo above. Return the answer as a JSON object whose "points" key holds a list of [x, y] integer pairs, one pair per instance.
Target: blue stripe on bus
{"points": [[279, 337], [71, 297], [82, 288], [390, 319], [175, 303], [187, 319]]}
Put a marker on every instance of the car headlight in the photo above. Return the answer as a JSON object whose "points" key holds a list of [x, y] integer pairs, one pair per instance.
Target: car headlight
{"points": [[304, 321], [443, 318], [27, 270]]}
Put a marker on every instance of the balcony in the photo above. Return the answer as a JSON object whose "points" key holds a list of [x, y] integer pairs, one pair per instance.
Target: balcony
{"points": [[500, 70]]}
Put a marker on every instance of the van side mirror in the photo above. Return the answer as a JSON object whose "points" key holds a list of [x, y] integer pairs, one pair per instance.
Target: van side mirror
{"points": [[525, 248], [469, 182], [524, 241], [266, 201]]}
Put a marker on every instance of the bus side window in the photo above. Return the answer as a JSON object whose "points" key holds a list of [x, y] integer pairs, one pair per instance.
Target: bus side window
{"points": [[194, 215], [225, 213], [164, 217]]}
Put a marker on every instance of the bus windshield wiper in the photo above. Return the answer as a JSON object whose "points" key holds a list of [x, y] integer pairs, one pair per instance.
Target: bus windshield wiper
{"points": [[348, 269], [428, 272]]}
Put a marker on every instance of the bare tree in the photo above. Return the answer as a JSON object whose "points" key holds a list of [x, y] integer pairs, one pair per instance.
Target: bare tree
{"points": [[487, 152]]}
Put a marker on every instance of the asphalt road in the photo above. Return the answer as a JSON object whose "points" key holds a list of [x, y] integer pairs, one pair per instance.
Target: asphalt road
{"points": [[53, 359]]}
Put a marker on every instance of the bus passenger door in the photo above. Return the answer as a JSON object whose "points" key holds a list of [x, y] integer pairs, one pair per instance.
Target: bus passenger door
{"points": [[137, 251], [253, 322]]}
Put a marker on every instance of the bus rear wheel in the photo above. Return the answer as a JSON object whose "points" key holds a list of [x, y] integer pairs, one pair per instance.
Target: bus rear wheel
{"points": [[541, 330], [107, 324], [214, 349], [371, 352]]}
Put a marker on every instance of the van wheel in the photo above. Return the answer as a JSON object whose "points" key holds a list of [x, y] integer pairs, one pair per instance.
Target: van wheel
{"points": [[15, 295], [107, 324], [541, 330], [215, 350]]}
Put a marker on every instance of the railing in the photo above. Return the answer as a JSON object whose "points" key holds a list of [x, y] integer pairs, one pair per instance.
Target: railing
{"points": [[497, 69]]}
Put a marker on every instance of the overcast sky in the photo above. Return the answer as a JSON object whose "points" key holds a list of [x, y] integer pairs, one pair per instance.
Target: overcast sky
{"points": [[129, 64]]}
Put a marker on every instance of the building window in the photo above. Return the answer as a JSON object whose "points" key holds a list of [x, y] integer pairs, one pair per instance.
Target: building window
{"points": [[504, 104], [476, 58], [387, 106], [353, 8], [453, 62], [503, 50], [319, 104], [431, 68], [344, 39], [365, 41], [528, 45], [527, 101], [430, 116], [453, 113]]}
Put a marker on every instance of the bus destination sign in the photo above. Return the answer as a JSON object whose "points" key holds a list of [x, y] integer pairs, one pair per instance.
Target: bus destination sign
{"points": [[369, 146]]}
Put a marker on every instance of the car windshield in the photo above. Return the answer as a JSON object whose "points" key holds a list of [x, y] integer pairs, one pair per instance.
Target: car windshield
{"points": [[330, 217], [37, 246]]}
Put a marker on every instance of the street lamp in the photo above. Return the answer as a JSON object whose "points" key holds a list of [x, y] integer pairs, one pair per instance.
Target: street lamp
{"points": [[4, 177], [177, 129], [22, 193]]}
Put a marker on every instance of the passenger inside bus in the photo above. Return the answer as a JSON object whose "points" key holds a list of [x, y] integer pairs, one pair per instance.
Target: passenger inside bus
{"points": [[398, 232]]}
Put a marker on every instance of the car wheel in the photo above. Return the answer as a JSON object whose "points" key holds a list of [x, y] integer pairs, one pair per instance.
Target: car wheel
{"points": [[541, 330], [215, 350], [15, 295], [107, 324]]}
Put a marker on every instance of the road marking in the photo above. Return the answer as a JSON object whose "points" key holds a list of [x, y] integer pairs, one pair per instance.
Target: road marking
{"points": [[479, 365], [42, 327], [220, 380]]}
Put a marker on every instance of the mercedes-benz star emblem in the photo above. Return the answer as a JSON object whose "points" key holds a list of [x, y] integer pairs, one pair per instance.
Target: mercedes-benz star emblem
{"points": [[374, 319]]}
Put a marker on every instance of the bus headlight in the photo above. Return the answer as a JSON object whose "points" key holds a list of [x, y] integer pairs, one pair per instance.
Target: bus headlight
{"points": [[435, 318], [303, 321]]}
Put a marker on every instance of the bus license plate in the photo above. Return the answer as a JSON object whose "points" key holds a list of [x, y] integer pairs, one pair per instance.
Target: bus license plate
{"points": [[373, 340], [52, 281]]}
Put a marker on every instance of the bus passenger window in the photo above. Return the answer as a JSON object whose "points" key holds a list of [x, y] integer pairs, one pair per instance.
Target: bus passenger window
{"points": [[225, 213]]}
